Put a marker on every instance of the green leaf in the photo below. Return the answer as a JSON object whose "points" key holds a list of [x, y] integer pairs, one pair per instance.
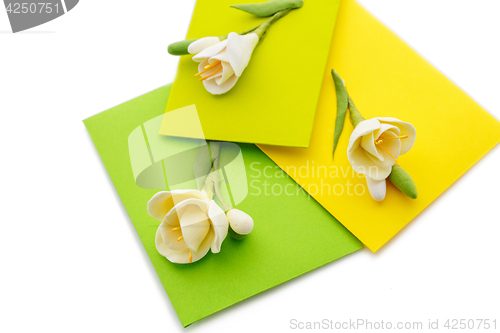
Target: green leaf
{"points": [[402, 180], [342, 102], [180, 48], [269, 8]]}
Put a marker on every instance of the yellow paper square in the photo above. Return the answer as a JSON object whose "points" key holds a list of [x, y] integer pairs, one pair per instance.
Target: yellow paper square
{"points": [[275, 99], [386, 78]]}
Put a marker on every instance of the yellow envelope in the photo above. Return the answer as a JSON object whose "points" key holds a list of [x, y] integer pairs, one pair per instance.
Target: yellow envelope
{"points": [[386, 78]]}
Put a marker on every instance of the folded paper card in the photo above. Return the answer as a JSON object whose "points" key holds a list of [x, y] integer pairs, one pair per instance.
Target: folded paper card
{"points": [[385, 77], [275, 99], [293, 234]]}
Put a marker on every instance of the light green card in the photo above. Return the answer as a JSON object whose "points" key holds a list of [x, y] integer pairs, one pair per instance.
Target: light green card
{"points": [[293, 234], [275, 99]]}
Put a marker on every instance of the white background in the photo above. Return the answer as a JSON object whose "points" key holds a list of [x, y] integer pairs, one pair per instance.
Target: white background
{"points": [[70, 260]]}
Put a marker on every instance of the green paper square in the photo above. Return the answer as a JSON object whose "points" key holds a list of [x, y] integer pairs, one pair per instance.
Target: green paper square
{"points": [[293, 234], [275, 99]]}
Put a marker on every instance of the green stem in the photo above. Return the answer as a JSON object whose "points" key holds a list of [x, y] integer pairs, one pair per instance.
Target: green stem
{"points": [[241, 33], [355, 115], [249, 30], [261, 30], [225, 206], [180, 48], [210, 181], [211, 185]]}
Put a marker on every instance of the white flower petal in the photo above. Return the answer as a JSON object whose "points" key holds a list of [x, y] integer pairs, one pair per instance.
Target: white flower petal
{"points": [[202, 65], [406, 129], [182, 257], [220, 225], [201, 44], [363, 164], [368, 143], [162, 202], [210, 51], [204, 246], [379, 173], [386, 127], [239, 50], [357, 155], [173, 217], [392, 145], [211, 71], [365, 127], [215, 89], [195, 226], [170, 237], [218, 75], [222, 56], [227, 72], [160, 245], [191, 216], [377, 188]]}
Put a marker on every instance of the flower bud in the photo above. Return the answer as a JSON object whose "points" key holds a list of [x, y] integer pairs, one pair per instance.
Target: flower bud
{"points": [[240, 222], [403, 182], [180, 48]]}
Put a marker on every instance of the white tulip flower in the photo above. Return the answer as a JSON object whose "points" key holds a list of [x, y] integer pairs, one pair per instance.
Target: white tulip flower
{"points": [[191, 224], [241, 223], [223, 62], [374, 147]]}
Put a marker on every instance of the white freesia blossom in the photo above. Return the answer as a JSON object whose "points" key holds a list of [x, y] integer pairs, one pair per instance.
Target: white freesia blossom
{"points": [[223, 62], [199, 45], [191, 224], [240, 222], [375, 146]]}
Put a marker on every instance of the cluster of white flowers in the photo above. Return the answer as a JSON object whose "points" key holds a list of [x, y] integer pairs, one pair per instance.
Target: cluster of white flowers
{"points": [[374, 147], [222, 62], [192, 223]]}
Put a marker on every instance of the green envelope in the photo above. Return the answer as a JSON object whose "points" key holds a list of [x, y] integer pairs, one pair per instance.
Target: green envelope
{"points": [[274, 101], [293, 234]]}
